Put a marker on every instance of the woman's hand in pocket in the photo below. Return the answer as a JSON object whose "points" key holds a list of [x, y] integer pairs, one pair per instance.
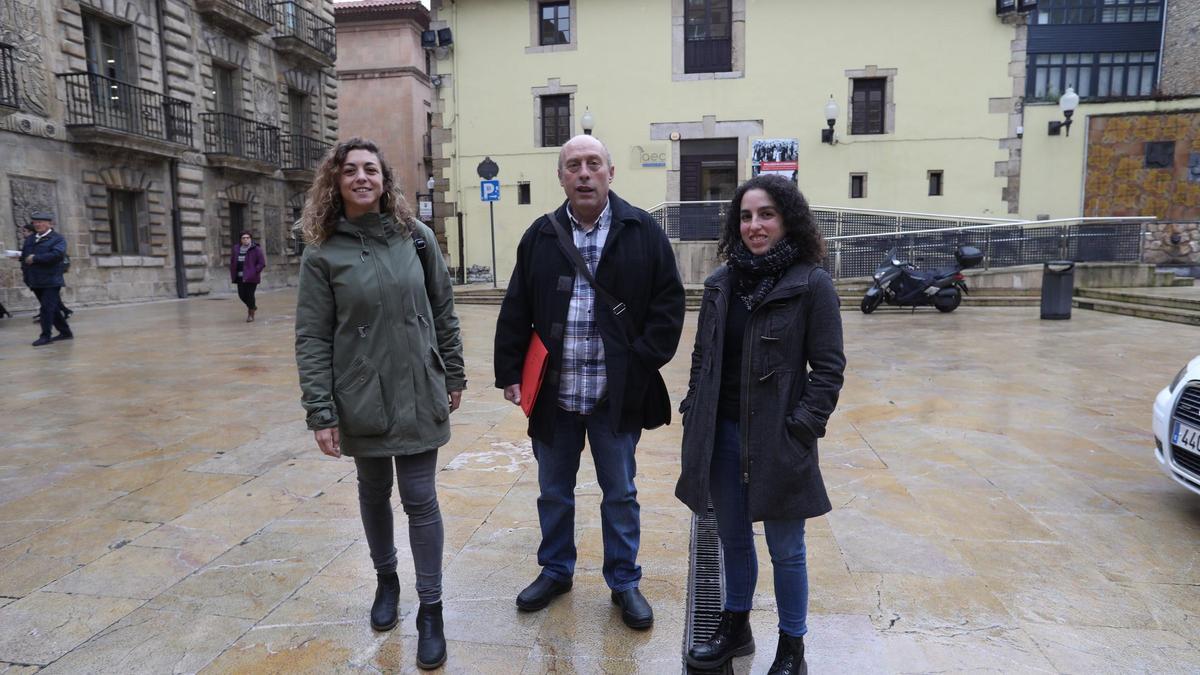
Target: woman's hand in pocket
{"points": [[329, 440]]}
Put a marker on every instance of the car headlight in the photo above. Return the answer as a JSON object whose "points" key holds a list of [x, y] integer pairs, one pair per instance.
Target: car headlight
{"points": [[1178, 378]]}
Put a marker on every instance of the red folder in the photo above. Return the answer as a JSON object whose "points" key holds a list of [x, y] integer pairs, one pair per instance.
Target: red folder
{"points": [[536, 358]]}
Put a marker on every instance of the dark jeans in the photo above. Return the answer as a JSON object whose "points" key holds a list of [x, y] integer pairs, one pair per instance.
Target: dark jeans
{"points": [[51, 311], [246, 293], [620, 514], [785, 540], [418, 495]]}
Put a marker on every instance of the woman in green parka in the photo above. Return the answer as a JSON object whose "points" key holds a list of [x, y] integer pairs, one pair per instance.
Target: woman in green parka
{"points": [[381, 366]]}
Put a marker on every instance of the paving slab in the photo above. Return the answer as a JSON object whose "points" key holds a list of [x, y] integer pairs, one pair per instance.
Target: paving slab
{"points": [[996, 508]]}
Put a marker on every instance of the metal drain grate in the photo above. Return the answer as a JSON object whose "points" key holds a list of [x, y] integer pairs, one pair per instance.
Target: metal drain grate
{"points": [[705, 583]]}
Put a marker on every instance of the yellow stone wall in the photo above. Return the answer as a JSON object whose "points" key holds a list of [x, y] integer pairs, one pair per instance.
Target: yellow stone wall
{"points": [[951, 60]]}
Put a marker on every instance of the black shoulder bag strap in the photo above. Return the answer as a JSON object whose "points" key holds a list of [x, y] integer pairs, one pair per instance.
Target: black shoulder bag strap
{"points": [[572, 252]]}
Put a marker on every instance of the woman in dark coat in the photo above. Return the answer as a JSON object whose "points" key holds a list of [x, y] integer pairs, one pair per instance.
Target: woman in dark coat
{"points": [[245, 269], [766, 372]]}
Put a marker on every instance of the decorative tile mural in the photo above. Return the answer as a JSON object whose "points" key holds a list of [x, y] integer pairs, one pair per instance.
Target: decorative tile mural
{"points": [[1144, 164]]}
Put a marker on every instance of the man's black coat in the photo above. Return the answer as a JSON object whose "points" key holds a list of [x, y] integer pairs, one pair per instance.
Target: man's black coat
{"points": [[638, 268]]}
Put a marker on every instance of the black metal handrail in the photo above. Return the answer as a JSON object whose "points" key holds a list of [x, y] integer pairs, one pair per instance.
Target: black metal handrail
{"points": [[302, 152], [258, 8], [8, 77], [292, 20], [94, 100], [226, 134]]}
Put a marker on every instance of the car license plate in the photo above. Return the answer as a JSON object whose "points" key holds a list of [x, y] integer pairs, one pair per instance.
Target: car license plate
{"points": [[1186, 437]]}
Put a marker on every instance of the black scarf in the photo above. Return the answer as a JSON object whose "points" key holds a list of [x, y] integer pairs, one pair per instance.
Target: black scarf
{"points": [[756, 275]]}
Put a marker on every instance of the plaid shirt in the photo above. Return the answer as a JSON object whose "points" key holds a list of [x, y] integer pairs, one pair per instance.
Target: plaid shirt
{"points": [[583, 381]]}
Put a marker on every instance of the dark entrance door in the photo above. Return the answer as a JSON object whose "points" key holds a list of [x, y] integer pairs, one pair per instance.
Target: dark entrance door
{"points": [[707, 179]]}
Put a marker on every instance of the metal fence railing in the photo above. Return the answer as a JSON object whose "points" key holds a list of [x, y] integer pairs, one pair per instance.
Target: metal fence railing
{"points": [[302, 153], [226, 134], [8, 77], [292, 20], [97, 101], [858, 239]]}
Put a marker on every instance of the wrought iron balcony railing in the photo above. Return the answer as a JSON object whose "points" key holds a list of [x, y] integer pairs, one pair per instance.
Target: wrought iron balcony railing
{"points": [[294, 21], [97, 101], [8, 77], [302, 153], [250, 16], [226, 134]]}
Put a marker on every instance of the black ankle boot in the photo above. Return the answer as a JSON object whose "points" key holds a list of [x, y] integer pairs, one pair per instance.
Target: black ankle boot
{"points": [[789, 656], [384, 613], [431, 639], [733, 638]]}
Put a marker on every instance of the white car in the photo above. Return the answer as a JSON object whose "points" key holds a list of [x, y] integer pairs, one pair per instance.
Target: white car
{"points": [[1177, 427]]}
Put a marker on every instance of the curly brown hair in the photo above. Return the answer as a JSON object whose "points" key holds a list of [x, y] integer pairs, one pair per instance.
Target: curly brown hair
{"points": [[798, 222], [323, 206]]}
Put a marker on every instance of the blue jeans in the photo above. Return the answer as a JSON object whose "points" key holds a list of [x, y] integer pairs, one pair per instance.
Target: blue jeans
{"points": [[620, 514], [785, 540]]}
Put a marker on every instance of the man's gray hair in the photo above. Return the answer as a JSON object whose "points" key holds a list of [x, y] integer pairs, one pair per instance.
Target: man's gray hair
{"points": [[607, 154]]}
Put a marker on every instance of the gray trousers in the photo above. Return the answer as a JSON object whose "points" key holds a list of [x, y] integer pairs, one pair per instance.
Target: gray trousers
{"points": [[418, 496]]}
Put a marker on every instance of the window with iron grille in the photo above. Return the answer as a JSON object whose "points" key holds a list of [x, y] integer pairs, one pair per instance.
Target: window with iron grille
{"points": [[867, 107], [1093, 75], [708, 36], [123, 221], [1059, 12], [555, 23], [556, 120]]}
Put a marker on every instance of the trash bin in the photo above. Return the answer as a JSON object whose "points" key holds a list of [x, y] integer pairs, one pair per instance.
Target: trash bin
{"points": [[1058, 287]]}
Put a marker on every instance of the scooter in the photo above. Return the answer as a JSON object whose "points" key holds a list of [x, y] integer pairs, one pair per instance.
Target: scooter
{"points": [[902, 284]]}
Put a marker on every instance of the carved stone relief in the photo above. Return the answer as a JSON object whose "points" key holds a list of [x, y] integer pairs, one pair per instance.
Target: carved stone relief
{"points": [[29, 195], [21, 27], [266, 101]]}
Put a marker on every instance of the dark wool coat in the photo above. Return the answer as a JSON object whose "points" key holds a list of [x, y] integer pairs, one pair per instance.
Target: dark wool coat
{"points": [[792, 365], [252, 268], [637, 266], [48, 255]]}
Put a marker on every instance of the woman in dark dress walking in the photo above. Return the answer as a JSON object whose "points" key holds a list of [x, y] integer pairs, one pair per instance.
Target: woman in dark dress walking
{"points": [[245, 269]]}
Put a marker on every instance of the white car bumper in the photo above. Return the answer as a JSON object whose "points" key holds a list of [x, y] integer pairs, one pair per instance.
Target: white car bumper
{"points": [[1164, 405]]}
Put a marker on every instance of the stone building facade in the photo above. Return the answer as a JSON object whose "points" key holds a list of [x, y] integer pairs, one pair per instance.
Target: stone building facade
{"points": [[157, 131], [1181, 44]]}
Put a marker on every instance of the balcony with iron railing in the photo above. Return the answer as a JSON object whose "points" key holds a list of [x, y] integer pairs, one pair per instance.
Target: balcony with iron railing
{"points": [[248, 17], [9, 103], [104, 111], [300, 32], [239, 143], [300, 156]]}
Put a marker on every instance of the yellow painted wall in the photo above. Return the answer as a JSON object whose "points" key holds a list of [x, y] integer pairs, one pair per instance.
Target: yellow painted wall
{"points": [[952, 57], [1052, 166]]}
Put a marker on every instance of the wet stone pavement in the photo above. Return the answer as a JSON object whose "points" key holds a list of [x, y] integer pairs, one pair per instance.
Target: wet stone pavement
{"points": [[997, 508]]}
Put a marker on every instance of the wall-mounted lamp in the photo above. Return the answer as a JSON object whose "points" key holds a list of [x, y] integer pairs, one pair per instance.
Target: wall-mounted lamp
{"points": [[435, 80], [431, 183], [1068, 103], [588, 122], [831, 115]]}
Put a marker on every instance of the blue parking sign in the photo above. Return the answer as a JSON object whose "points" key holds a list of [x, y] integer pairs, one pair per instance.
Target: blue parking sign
{"points": [[489, 190]]}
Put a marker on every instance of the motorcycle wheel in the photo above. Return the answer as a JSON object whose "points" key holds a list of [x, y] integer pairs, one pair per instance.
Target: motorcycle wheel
{"points": [[949, 303], [870, 303]]}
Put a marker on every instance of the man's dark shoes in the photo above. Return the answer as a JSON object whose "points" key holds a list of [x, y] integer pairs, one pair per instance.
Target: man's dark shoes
{"points": [[789, 656], [431, 639], [385, 612], [63, 336], [44, 340], [635, 611], [732, 638], [539, 594]]}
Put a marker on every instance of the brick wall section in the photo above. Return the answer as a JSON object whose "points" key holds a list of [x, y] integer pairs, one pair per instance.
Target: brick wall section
{"points": [[1180, 66]]}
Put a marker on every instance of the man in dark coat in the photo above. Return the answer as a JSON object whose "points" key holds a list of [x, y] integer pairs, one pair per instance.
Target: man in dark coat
{"points": [[42, 258], [602, 375]]}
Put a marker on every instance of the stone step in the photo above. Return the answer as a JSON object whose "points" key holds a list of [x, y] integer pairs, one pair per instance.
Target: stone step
{"points": [[1183, 281], [1133, 297], [1141, 311], [854, 301]]}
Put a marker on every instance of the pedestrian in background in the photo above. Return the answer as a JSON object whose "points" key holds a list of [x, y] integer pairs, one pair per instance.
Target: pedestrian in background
{"points": [[765, 377], [43, 259], [245, 269], [381, 365]]}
